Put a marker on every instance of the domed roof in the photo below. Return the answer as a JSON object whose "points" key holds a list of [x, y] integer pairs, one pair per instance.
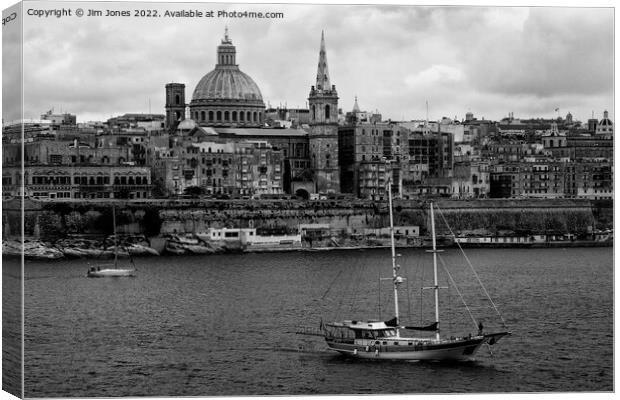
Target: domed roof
{"points": [[227, 82], [605, 121]]}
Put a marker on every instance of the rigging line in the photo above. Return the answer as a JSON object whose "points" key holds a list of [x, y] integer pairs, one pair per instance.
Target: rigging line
{"points": [[450, 305], [472, 268], [340, 306], [421, 307], [456, 288], [356, 288], [331, 284], [345, 293]]}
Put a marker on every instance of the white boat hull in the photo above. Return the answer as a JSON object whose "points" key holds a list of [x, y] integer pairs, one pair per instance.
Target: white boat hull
{"points": [[111, 273], [445, 350]]}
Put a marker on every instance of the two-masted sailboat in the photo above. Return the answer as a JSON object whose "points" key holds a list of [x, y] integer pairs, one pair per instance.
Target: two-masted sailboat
{"points": [[385, 339], [112, 271]]}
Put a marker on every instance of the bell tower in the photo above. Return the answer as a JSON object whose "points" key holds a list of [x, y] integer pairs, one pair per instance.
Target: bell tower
{"points": [[323, 136], [175, 104]]}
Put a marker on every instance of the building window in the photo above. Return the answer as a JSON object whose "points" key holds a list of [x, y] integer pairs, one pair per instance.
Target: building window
{"points": [[241, 115], [177, 99], [234, 116], [327, 111], [313, 112], [248, 116], [254, 117], [226, 116], [219, 115]]}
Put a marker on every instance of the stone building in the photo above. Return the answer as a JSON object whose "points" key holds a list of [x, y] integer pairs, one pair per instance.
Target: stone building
{"points": [[504, 180], [219, 167], [283, 117], [543, 179], [56, 169], [553, 138], [591, 180], [471, 180], [369, 155], [434, 150], [59, 119], [62, 182], [589, 147], [547, 178], [136, 122], [358, 116]]}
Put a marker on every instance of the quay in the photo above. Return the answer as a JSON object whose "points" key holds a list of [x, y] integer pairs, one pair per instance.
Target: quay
{"points": [[188, 226]]}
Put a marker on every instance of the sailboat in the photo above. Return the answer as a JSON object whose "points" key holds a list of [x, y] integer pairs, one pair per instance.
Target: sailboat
{"points": [[386, 340], [114, 270]]}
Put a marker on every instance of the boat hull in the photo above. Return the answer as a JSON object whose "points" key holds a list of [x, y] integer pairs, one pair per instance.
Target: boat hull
{"points": [[111, 273], [446, 350]]}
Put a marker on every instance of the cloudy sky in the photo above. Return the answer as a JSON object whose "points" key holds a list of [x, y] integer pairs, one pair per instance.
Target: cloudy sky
{"points": [[488, 60]]}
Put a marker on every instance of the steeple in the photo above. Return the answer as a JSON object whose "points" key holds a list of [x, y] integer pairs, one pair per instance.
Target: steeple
{"points": [[322, 73], [356, 107], [323, 133]]}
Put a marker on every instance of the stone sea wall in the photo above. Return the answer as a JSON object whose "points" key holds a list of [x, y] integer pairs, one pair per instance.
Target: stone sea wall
{"points": [[51, 221]]}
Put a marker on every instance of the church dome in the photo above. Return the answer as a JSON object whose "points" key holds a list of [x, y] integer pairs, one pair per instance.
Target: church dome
{"points": [[605, 126], [226, 96], [227, 83], [605, 121]]}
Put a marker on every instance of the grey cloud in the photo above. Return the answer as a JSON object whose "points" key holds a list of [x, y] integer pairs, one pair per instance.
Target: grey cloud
{"points": [[503, 63], [553, 55]]}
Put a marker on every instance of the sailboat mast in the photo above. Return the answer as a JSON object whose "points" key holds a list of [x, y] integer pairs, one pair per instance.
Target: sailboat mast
{"points": [[115, 245], [394, 266], [436, 283]]}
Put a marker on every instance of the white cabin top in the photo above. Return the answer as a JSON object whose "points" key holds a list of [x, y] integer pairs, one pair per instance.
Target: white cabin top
{"points": [[362, 325]]}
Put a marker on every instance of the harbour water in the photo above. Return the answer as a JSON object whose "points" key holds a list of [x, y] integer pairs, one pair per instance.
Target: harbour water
{"points": [[225, 324]]}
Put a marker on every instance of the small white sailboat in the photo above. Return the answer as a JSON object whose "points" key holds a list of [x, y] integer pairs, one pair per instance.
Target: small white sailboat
{"points": [[111, 271], [383, 339]]}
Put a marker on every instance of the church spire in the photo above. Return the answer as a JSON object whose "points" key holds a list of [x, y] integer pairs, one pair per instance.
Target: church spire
{"points": [[322, 73], [356, 107]]}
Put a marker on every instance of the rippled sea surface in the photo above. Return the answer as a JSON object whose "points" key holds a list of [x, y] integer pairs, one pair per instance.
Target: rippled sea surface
{"points": [[226, 325]]}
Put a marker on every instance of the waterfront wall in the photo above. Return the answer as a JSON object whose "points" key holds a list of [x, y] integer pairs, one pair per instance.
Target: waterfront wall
{"points": [[48, 221]]}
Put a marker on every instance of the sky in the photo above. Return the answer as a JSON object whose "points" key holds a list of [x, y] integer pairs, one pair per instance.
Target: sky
{"points": [[395, 59]]}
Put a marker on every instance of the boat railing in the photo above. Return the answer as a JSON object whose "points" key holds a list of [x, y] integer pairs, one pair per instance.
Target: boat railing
{"points": [[310, 331], [101, 266]]}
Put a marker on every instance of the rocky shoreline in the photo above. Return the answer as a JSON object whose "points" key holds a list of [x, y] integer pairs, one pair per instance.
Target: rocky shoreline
{"points": [[139, 246]]}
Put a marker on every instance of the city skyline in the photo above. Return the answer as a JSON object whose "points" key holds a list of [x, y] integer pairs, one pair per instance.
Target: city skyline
{"points": [[535, 61]]}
